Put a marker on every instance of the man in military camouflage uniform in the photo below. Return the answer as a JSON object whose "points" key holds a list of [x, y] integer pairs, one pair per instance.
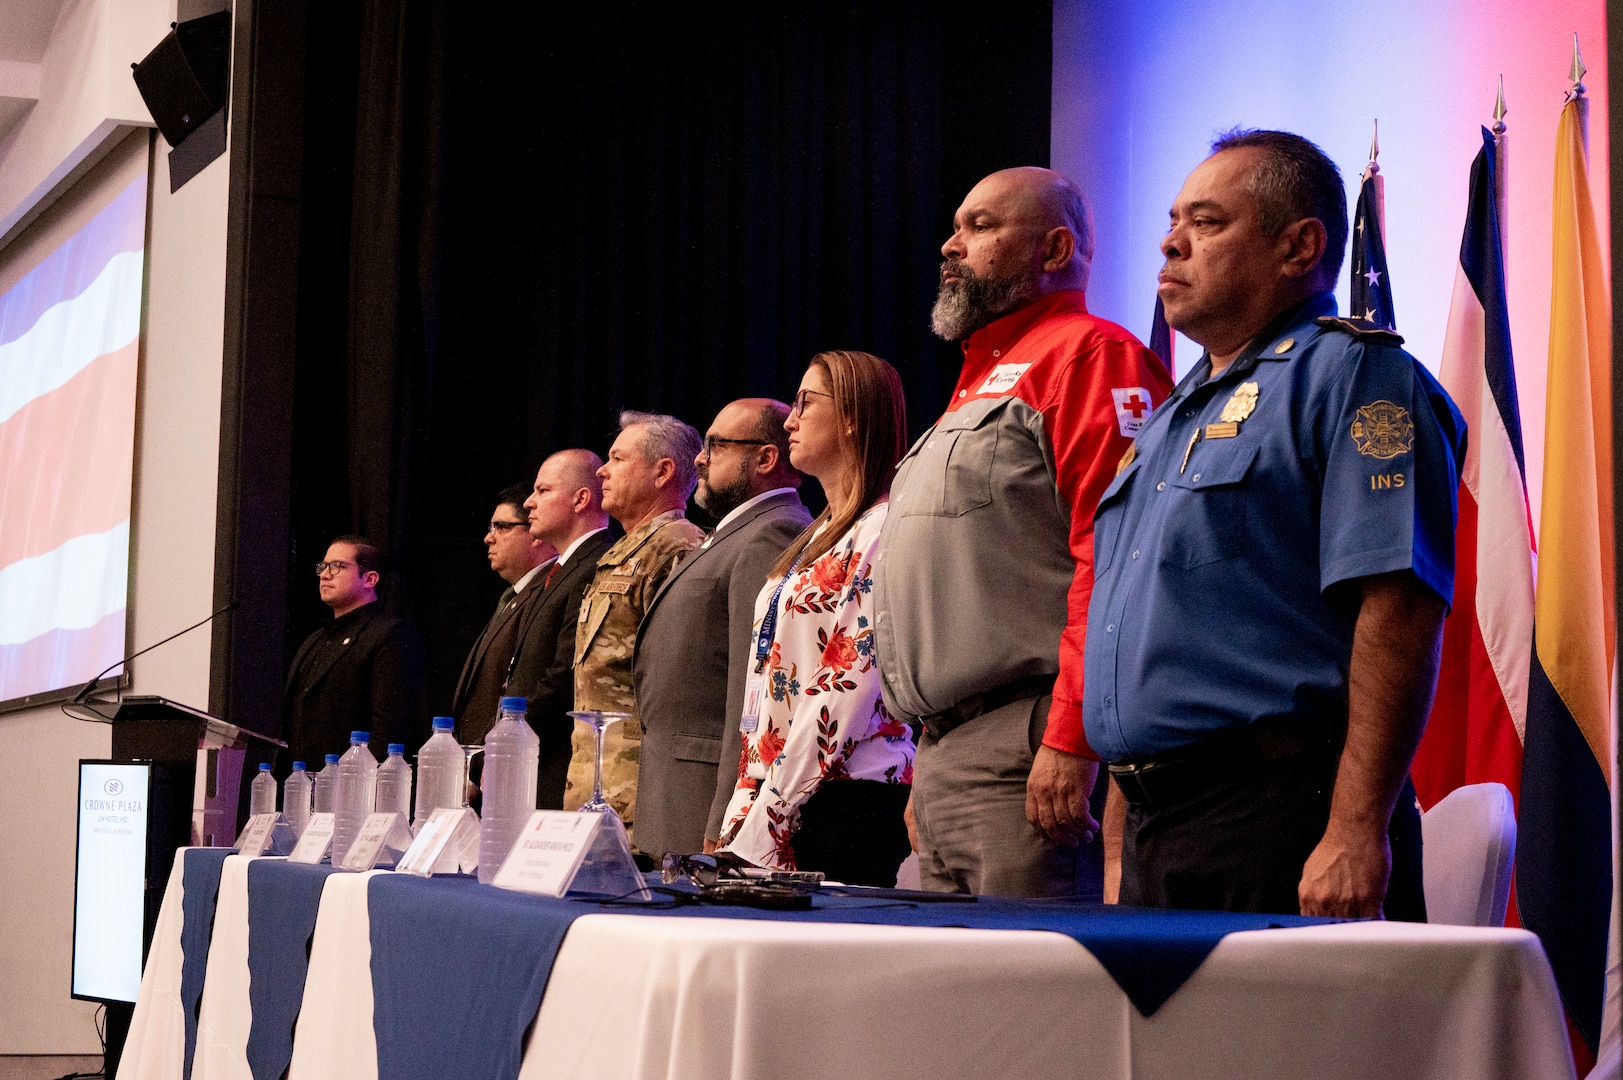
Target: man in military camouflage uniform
{"points": [[647, 480]]}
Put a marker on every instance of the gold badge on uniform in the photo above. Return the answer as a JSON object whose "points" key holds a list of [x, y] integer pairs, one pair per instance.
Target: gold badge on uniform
{"points": [[1284, 346], [1127, 458], [1383, 430], [1238, 407]]}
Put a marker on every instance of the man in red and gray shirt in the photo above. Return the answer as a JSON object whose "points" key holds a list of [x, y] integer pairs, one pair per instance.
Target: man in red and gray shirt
{"points": [[986, 562]]}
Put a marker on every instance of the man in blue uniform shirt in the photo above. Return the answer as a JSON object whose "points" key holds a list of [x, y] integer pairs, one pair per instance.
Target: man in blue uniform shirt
{"points": [[1273, 563]]}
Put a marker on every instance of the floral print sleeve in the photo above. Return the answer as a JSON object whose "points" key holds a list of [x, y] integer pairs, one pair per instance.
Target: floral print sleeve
{"points": [[821, 716]]}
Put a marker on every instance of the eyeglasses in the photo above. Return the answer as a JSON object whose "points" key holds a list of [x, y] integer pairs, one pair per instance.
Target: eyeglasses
{"points": [[713, 441], [499, 527], [702, 870], [336, 566], [800, 400]]}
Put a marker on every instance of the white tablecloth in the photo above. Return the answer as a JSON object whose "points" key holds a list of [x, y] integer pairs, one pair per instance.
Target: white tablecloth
{"points": [[638, 998]]}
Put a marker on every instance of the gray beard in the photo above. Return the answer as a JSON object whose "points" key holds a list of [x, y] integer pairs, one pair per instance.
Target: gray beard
{"points": [[718, 502], [965, 305]]}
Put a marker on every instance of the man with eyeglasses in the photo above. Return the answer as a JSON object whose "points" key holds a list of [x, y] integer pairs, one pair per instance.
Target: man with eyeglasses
{"points": [[518, 559], [986, 564], [693, 646], [361, 672]]}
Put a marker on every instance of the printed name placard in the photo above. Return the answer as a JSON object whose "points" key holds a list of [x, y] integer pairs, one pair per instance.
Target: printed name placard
{"points": [[317, 839], [256, 837], [382, 838], [547, 852], [443, 846]]}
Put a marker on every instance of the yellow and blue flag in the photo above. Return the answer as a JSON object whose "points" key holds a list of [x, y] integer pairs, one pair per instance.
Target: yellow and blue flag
{"points": [[1564, 851]]}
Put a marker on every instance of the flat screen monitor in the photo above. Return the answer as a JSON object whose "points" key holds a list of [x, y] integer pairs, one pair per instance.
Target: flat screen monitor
{"points": [[110, 875]]}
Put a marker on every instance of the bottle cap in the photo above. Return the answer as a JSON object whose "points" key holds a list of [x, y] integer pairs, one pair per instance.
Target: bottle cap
{"points": [[298, 766], [332, 759], [264, 766], [359, 737], [444, 723], [397, 748], [517, 704]]}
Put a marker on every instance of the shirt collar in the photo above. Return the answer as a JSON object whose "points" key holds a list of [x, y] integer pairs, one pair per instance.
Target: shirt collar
{"points": [[349, 618], [1262, 346], [1000, 335], [518, 586], [733, 514], [563, 560]]}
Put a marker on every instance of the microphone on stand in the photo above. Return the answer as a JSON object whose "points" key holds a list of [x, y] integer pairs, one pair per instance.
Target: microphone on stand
{"points": [[83, 696]]}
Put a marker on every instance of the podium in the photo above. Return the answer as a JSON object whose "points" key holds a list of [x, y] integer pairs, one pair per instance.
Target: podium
{"points": [[201, 768], [224, 758]]}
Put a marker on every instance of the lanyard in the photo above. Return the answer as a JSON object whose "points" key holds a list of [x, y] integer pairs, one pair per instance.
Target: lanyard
{"points": [[769, 621]]}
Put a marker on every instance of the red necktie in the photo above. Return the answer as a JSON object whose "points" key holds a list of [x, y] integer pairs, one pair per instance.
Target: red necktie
{"points": [[550, 575]]}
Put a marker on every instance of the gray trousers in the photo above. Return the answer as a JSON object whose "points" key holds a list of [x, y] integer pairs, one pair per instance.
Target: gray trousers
{"points": [[969, 804]]}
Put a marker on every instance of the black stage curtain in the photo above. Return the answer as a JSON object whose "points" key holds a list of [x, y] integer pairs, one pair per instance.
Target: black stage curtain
{"points": [[514, 225]]}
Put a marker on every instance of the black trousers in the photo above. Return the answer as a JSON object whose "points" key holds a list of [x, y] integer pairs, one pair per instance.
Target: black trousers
{"points": [[1236, 839], [852, 830]]}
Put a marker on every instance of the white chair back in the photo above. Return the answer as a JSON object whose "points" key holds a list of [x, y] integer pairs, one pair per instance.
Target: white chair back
{"points": [[1469, 853]]}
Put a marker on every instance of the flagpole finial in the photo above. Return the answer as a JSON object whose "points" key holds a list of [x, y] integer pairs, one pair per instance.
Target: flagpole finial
{"points": [[1499, 110], [1374, 151], [1576, 72]]}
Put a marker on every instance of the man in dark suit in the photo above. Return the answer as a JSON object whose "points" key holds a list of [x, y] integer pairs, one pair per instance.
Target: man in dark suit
{"points": [[566, 512], [362, 672], [520, 560], [694, 645]]}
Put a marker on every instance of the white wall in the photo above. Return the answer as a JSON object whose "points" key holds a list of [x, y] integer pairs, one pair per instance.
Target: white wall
{"points": [[176, 458]]}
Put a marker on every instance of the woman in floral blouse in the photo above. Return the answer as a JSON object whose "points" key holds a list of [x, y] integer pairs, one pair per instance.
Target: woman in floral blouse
{"points": [[826, 771]]}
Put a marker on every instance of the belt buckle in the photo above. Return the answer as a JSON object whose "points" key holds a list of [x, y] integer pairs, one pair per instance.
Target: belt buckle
{"points": [[1133, 779]]}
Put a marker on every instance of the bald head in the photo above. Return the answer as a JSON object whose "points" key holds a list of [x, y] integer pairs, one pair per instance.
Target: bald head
{"points": [[567, 502], [1051, 200], [1020, 235], [578, 469]]}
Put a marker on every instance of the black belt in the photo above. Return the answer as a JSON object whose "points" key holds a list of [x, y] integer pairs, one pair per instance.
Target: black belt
{"points": [[980, 704], [1178, 772]]}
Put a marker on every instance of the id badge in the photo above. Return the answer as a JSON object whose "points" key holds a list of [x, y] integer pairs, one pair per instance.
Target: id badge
{"points": [[754, 689]]}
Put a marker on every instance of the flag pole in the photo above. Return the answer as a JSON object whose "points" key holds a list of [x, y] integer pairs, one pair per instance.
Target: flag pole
{"points": [[1373, 170], [1501, 172], [1576, 73]]}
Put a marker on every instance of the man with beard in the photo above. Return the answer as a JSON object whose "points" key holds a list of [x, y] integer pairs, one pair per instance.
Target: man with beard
{"points": [[693, 648], [986, 562]]}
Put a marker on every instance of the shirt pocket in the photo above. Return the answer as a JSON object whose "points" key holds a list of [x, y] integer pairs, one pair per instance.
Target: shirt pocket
{"points": [[701, 748], [952, 474], [1208, 524], [592, 613], [1108, 518]]}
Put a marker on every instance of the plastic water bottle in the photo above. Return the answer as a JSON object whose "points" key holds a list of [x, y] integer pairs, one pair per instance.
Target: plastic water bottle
{"points": [[356, 793], [441, 773], [296, 798], [326, 786], [262, 792], [394, 783], [512, 758]]}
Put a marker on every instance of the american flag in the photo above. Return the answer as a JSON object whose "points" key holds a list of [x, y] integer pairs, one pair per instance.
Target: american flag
{"points": [[1371, 286]]}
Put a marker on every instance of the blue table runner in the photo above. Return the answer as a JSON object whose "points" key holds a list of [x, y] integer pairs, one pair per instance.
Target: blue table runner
{"points": [[199, 889], [479, 958], [283, 900]]}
